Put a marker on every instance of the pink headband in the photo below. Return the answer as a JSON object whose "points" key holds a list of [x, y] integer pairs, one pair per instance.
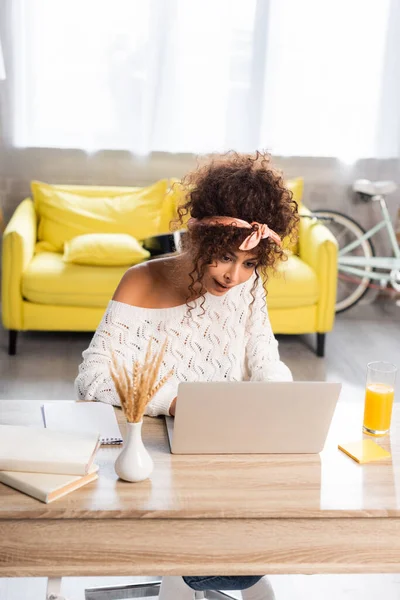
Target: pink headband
{"points": [[261, 233]]}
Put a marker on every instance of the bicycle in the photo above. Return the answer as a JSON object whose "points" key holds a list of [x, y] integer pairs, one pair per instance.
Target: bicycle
{"points": [[358, 265]]}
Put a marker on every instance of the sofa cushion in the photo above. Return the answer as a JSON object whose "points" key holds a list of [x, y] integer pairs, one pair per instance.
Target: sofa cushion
{"points": [[68, 211], [49, 280], [104, 249], [294, 284]]}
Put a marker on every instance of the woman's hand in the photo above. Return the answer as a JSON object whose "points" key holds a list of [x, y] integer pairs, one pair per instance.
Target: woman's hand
{"points": [[172, 408]]}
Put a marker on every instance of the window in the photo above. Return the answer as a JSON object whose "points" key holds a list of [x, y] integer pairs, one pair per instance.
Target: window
{"points": [[297, 78]]}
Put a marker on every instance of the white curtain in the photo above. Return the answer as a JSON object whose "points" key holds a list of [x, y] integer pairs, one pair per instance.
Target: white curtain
{"points": [[2, 69], [387, 142], [324, 84], [302, 78]]}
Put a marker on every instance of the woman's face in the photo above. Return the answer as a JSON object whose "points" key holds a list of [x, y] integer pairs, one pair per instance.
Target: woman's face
{"points": [[227, 272]]}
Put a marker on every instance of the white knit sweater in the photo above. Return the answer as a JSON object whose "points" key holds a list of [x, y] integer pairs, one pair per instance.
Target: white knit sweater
{"points": [[231, 340]]}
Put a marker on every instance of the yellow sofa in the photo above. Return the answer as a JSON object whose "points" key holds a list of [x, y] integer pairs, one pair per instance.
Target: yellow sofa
{"points": [[42, 292]]}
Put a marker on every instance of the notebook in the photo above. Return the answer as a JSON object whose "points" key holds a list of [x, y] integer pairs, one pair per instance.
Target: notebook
{"points": [[83, 417], [46, 487], [39, 450], [364, 451]]}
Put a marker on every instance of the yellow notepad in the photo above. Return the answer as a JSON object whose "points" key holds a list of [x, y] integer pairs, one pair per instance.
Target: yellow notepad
{"points": [[364, 451]]}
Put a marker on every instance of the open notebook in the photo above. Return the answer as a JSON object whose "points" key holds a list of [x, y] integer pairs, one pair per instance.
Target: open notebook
{"points": [[83, 417]]}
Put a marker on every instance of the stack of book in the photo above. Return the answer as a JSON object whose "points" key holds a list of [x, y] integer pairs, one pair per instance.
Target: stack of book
{"points": [[44, 463]]}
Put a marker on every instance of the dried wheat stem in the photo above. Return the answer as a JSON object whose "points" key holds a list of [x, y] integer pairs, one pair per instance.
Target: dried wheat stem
{"points": [[148, 362], [129, 396], [118, 382], [160, 384], [156, 367], [136, 389]]}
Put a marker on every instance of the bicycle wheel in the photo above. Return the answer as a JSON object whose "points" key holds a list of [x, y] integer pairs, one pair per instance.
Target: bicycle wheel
{"points": [[350, 288]]}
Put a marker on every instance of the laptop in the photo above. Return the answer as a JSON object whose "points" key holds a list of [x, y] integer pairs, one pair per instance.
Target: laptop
{"points": [[252, 417]]}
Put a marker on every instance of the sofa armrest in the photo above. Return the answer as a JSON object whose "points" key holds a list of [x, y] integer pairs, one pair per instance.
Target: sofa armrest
{"points": [[19, 240], [319, 249]]}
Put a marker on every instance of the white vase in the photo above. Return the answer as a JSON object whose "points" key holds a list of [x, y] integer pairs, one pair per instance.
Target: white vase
{"points": [[134, 462]]}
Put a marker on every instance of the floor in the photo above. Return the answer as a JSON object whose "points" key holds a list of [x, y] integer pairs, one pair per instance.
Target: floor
{"points": [[46, 365], [286, 587]]}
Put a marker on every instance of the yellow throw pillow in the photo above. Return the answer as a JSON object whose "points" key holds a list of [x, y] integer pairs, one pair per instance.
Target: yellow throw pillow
{"points": [[104, 249], [66, 212]]}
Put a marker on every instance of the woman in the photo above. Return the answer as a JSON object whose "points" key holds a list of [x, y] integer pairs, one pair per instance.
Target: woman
{"points": [[208, 301]]}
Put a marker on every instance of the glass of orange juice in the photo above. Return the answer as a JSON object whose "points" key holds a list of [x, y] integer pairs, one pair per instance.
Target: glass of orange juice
{"points": [[379, 396]]}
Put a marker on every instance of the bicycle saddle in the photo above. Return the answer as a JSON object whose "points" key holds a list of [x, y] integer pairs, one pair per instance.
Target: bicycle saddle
{"points": [[374, 188]]}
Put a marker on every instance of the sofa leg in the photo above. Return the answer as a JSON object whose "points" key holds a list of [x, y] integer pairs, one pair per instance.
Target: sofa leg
{"points": [[321, 344], [12, 342]]}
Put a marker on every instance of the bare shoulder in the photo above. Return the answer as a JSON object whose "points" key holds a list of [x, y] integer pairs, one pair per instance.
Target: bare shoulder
{"points": [[134, 285], [148, 285]]}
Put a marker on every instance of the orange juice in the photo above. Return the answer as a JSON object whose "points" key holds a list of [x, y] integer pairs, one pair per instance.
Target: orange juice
{"points": [[378, 408]]}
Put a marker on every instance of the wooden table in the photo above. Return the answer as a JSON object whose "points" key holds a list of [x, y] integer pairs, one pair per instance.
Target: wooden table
{"points": [[231, 515]]}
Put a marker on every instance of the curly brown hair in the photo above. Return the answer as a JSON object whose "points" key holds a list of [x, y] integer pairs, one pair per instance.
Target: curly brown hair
{"points": [[244, 186]]}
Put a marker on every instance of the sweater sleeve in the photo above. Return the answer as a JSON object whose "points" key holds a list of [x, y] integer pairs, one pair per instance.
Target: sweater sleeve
{"points": [[262, 354], [94, 381]]}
